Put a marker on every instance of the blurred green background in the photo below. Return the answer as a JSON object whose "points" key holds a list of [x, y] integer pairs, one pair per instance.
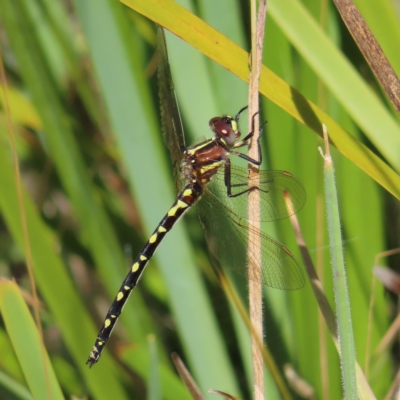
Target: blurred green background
{"points": [[97, 179]]}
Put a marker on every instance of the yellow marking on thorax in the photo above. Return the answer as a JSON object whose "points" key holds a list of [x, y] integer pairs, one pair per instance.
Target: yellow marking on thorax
{"points": [[212, 166], [193, 149], [174, 209]]}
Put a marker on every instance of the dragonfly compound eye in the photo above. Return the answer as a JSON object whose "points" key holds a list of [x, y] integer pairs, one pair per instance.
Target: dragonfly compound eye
{"points": [[225, 128]]}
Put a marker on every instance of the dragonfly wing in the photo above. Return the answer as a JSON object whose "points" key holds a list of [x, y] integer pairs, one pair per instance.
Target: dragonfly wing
{"points": [[227, 237], [171, 122], [273, 187]]}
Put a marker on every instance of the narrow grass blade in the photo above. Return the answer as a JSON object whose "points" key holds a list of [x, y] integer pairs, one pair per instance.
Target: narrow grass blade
{"points": [[14, 387], [344, 320], [187, 378], [154, 386], [56, 286], [338, 75], [364, 389], [138, 358], [371, 50], [27, 343]]}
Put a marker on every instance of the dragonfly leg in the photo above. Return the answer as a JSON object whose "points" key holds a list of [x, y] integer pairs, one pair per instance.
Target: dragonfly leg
{"points": [[229, 185], [247, 158], [246, 139], [251, 133]]}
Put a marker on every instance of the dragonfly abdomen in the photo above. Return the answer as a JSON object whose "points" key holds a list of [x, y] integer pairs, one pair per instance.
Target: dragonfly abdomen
{"points": [[183, 202]]}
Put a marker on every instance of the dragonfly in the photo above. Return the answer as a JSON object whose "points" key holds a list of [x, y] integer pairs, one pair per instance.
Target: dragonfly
{"points": [[205, 176]]}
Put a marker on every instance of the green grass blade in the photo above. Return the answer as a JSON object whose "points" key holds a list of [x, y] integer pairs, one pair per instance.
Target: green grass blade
{"points": [[383, 21], [27, 344], [14, 387], [138, 358], [55, 286], [342, 300], [154, 387], [338, 75]]}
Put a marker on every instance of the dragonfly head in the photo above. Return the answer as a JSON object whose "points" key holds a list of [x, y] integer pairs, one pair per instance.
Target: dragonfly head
{"points": [[225, 128]]}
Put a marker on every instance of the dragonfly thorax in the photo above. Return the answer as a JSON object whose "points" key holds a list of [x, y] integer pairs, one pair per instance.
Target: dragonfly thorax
{"points": [[202, 162]]}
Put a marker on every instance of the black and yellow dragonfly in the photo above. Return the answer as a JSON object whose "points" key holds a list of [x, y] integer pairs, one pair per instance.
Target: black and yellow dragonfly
{"points": [[207, 177]]}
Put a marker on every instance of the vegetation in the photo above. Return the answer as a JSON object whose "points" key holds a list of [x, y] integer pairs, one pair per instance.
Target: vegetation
{"points": [[96, 176]]}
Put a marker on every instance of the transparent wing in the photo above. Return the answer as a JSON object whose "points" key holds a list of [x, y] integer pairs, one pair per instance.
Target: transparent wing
{"points": [[227, 237], [272, 186], [173, 134]]}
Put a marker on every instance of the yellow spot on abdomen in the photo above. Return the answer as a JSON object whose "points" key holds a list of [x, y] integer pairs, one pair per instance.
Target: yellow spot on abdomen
{"points": [[107, 323], [120, 296], [126, 287], [187, 192], [153, 238], [143, 258], [161, 229], [135, 267], [173, 210]]}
